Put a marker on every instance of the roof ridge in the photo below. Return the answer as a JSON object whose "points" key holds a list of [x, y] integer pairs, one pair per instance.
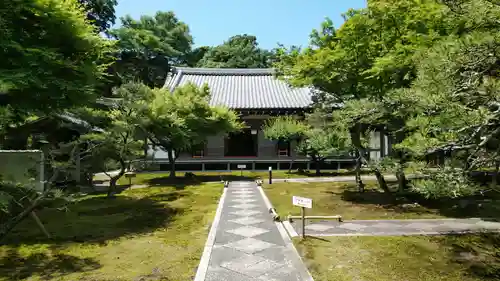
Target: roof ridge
{"points": [[224, 71]]}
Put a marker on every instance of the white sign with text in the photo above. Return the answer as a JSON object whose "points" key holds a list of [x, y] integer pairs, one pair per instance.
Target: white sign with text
{"points": [[242, 166], [302, 202]]}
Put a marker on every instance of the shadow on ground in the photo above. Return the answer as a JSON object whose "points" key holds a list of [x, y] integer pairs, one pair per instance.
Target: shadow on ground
{"points": [[310, 173], [181, 182], [480, 253], [98, 219], [49, 267], [486, 207]]}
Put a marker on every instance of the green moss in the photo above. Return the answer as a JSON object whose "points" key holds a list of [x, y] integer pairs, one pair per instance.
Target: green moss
{"points": [[155, 233]]}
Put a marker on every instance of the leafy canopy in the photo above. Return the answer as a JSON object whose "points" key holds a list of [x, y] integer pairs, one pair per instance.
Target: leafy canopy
{"points": [[240, 51], [148, 47], [179, 120], [50, 55]]}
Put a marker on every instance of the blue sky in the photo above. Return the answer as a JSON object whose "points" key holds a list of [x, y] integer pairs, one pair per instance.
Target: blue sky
{"points": [[212, 21]]}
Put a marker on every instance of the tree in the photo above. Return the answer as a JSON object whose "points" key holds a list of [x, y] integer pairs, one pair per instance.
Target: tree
{"points": [[50, 56], [180, 120], [119, 144], [286, 129], [371, 54], [240, 51], [314, 140], [195, 56], [320, 145], [148, 47], [100, 12], [18, 201]]}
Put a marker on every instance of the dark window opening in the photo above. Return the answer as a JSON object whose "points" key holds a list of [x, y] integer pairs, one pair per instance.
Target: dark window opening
{"points": [[283, 148], [241, 144], [198, 151]]}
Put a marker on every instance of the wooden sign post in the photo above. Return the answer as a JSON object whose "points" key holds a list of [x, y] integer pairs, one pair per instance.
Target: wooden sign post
{"points": [[241, 167], [130, 175], [303, 203]]}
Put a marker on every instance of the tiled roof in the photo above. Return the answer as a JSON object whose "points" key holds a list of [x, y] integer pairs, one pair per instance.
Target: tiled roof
{"points": [[242, 88]]}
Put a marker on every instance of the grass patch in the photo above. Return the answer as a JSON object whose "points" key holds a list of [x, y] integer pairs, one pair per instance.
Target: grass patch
{"points": [[155, 233], [430, 258], [335, 198]]}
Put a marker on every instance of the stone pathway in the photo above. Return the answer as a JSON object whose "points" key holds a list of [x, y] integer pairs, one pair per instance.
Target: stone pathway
{"points": [[248, 244], [393, 227]]}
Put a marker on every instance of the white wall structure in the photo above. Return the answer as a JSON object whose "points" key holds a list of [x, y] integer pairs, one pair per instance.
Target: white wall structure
{"points": [[375, 145], [23, 166]]}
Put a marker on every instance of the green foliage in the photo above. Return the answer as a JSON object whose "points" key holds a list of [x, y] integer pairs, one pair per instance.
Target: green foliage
{"points": [[445, 182], [148, 47], [320, 144], [457, 92], [179, 120], [240, 51], [50, 55], [285, 128], [118, 145], [193, 58], [100, 12], [425, 72], [315, 140]]}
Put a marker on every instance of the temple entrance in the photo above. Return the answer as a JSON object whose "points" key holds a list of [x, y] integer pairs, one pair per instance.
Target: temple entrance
{"points": [[241, 144]]}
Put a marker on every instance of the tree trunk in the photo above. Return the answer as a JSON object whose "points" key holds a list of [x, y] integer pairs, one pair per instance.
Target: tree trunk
{"points": [[318, 168], [359, 182], [40, 224], [7, 227], [493, 184], [356, 141], [114, 180], [400, 174], [381, 181], [171, 161], [291, 164]]}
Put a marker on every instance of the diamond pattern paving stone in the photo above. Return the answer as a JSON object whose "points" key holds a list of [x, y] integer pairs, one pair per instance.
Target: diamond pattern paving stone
{"points": [[245, 206], [248, 231], [249, 245], [261, 268], [285, 273], [223, 274], [245, 213], [351, 226], [244, 200], [244, 196], [247, 220], [274, 253], [239, 264], [318, 227]]}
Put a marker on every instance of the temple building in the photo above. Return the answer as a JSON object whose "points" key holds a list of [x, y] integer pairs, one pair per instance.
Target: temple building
{"points": [[257, 95]]}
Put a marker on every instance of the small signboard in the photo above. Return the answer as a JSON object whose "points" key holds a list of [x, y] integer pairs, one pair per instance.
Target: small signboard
{"points": [[302, 202], [242, 166]]}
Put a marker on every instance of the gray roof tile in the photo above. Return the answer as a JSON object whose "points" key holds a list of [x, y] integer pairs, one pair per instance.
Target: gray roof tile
{"points": [[242, 88]]}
